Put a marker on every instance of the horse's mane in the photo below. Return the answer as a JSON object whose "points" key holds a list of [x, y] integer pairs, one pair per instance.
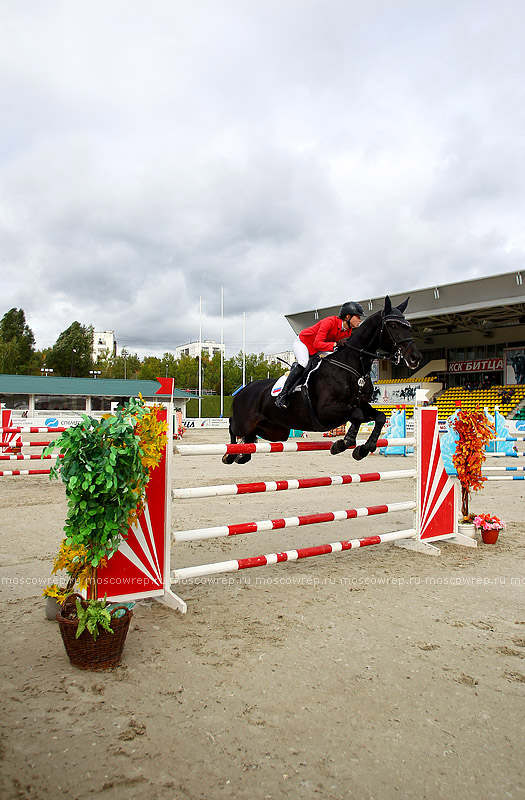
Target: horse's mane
{"points": [[359, 333], [371, 322]]}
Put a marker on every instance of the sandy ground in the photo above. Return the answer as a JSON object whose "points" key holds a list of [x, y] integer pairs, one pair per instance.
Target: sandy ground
{"points": [[377, 673]]}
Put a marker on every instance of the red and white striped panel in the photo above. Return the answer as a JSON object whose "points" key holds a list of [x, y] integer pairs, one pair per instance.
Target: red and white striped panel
{"points": [[28, 457], [292, 483], [185, 573], [8, 439], [437, 511], [198, 534], [32, 429], [301, 446], [20, 443], [5, 473]]}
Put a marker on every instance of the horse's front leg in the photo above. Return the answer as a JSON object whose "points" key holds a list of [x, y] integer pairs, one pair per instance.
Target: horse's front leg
{"points": [[243, 458], [229, 458], [378, 418], [349, 439]]}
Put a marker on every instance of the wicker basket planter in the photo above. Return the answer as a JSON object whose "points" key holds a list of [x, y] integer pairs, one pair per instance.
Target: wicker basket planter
{"points": [[101, 653]]}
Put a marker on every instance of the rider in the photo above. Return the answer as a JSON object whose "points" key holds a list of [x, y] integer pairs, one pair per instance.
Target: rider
{"points": [[319, 338]]}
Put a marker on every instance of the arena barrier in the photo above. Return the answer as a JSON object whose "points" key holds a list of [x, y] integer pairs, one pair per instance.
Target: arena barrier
{"points": [[11, 444], [501, 447], [489, 468], [145, 555]]}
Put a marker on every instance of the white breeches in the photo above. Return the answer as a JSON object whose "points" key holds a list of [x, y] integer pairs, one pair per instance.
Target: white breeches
{"points": [[301, 353]]}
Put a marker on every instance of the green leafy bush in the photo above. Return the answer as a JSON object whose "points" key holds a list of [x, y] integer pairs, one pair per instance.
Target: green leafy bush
{"points": [[102, 468]]}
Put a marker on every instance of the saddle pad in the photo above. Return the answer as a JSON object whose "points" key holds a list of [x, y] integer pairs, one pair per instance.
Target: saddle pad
{"points": [[279, 383]]}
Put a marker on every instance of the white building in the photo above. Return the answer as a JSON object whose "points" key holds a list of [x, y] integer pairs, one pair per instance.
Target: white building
{"points": [[104, 344], [192, 349], [286, 355]]}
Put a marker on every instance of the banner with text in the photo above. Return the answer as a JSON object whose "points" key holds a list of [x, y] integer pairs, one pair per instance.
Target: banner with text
{"points": [[476, 365]]}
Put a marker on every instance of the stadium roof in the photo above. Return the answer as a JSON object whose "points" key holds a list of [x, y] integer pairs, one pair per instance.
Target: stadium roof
{"points": [[85, 387], [480, 306]]}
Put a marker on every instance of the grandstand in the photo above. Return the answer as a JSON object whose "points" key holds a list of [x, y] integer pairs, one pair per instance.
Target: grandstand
{"points": [[508, 399]]}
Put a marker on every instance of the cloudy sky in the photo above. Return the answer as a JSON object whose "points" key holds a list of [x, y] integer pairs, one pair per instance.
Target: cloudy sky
{"points": [[299, 153]]}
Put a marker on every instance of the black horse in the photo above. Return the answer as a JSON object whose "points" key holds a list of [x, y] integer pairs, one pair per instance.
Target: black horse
{"points": [[338, 389]]}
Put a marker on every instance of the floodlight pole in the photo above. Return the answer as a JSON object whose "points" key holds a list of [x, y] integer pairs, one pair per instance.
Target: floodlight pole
{"points": [[222, 354]]}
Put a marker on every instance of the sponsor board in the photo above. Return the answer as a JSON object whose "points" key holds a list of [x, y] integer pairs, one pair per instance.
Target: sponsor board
{"points": [[205, 422]]}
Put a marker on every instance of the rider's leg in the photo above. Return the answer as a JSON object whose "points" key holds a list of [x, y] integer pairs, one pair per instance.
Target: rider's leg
{"points": [[295, 374]]}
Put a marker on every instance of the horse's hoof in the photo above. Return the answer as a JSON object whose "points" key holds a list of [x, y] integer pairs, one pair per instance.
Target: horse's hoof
{"points": [[338, 447], [359, 452], [243, 458], [228, 458]]}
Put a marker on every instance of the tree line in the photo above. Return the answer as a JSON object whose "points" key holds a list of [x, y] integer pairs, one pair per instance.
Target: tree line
{"points": [[72, 356]]}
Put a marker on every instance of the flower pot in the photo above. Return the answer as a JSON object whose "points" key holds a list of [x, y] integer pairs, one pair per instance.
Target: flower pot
{"points": [[489, 537], [467, 529], [105, 651], [52, 608]]}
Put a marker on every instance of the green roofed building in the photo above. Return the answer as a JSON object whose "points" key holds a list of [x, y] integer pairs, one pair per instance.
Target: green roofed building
{"points": [[36, 396]]}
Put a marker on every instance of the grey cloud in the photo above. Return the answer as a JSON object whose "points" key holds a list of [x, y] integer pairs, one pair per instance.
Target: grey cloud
{"points": [[297, 154]]}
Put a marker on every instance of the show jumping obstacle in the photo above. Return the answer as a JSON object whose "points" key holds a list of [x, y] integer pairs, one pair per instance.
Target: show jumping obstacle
{"points": [[141, 567]]}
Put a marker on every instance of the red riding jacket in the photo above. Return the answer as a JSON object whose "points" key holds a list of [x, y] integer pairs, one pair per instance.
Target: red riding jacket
{"points": [[323, 336]]}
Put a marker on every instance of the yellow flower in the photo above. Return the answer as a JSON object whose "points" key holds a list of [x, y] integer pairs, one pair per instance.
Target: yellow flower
{"points": [[56, 592]]}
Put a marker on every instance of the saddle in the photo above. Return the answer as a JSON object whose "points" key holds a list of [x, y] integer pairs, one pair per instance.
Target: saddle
{"points": [[314, 363]]}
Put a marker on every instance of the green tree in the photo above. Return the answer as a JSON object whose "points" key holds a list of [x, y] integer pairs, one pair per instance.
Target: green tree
{"points": [[17, 343], [72, 353], [104, 364], [187, 373], [38, 359], [127, 365], [151, 367], [169, 366], [256, 368], [232, 375]]}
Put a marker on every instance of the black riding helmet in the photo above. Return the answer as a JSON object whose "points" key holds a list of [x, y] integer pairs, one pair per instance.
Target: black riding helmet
{"points": [[352, 309]]}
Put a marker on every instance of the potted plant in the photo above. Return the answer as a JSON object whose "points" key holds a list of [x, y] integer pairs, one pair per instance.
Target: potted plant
{"points": [[105, 465], [474, 432], [489, 526]]}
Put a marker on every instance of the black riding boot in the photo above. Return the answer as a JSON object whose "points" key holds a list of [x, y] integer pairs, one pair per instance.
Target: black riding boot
{"points": [[294, 376]]}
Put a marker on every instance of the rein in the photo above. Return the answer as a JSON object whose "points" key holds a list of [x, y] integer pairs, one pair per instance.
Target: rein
{"points": [[360, 376]]}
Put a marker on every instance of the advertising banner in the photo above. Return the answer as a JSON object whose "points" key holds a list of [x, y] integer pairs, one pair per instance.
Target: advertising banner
{"points": [[476, 365], [515, 365]]}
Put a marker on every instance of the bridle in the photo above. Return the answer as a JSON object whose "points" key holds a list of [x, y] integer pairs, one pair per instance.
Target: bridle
{"points": [[395, 356], [398, 352]]}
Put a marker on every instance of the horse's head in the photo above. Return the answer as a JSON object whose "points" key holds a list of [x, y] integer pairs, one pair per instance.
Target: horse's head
{"points": [[395, 334]]}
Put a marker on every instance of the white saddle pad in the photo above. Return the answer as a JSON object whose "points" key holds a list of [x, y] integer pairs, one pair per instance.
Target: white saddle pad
{"points": [[279, 383]]}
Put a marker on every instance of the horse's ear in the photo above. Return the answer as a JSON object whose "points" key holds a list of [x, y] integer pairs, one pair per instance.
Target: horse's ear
{"points": [[388, 305], [401, 307]]}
